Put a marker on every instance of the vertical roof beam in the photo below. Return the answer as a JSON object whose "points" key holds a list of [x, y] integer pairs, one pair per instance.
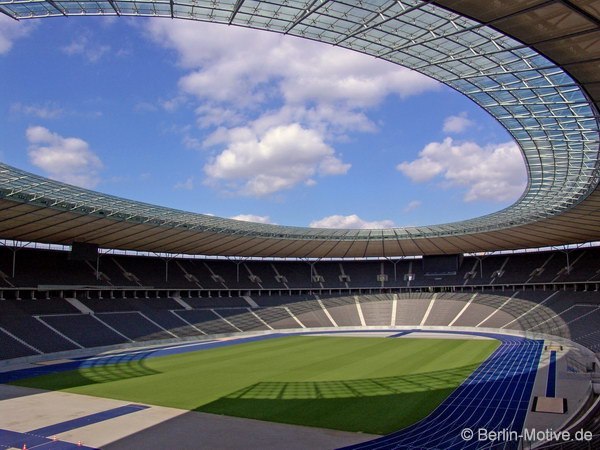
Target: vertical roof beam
{"points": [[55, 6], [115, 7], [236, 9]]}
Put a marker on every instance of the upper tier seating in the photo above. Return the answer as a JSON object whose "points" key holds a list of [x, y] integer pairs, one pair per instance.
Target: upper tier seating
{"points": [[52, 268]]}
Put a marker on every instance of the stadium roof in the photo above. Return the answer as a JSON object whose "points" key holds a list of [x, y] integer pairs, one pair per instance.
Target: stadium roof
{"points": [[532, 64]]}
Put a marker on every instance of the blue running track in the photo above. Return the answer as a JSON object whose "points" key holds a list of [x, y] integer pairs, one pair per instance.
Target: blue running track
{"points": [[494, 397], [403, 333]]}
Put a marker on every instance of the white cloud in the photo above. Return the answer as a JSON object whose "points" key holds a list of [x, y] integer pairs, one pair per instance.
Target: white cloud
{"points": [[192, 142], [350, 221], [187, 185], [319, 91], [333, 75], [281, 157], [46, 111], [64, 159], [11, 30], [252, 218], [495, 172], [457, 124], [210, 115], [82, 45], [172, 104], [332, 122], [305, 71], [412, 205]]}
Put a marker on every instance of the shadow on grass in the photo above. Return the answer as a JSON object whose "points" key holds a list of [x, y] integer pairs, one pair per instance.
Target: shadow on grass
{"points": [[372, 405], [91, 371]]}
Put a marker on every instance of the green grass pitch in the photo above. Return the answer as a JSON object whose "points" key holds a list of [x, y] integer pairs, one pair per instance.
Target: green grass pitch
{"points": [[367, 384]]}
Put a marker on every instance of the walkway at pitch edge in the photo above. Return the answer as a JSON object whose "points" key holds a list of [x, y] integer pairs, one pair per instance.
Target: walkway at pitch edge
{"points": [[402, 333], [45, 438], [140, 354], [507, 377], [82, 362], [494, 397], [128, 356]]}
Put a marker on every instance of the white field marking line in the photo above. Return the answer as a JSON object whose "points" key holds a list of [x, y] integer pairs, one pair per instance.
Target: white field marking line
{"points": [[256, 315], [95, 316], [186, 321], [225, 320], [294, 317], [58, 332], [327, 313], [18, 339], [463, 309], [429, 308], [530, 310], [360, 313]]}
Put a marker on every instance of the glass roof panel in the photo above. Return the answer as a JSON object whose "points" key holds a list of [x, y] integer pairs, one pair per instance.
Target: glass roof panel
{"points": [[538, 102]]}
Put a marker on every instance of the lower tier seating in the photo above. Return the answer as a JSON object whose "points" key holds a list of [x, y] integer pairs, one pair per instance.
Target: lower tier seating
{"points": [[26, 331]]}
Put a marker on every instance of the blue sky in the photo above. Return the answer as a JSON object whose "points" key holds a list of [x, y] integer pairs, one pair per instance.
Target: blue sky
{"points": [[246, 124]]}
